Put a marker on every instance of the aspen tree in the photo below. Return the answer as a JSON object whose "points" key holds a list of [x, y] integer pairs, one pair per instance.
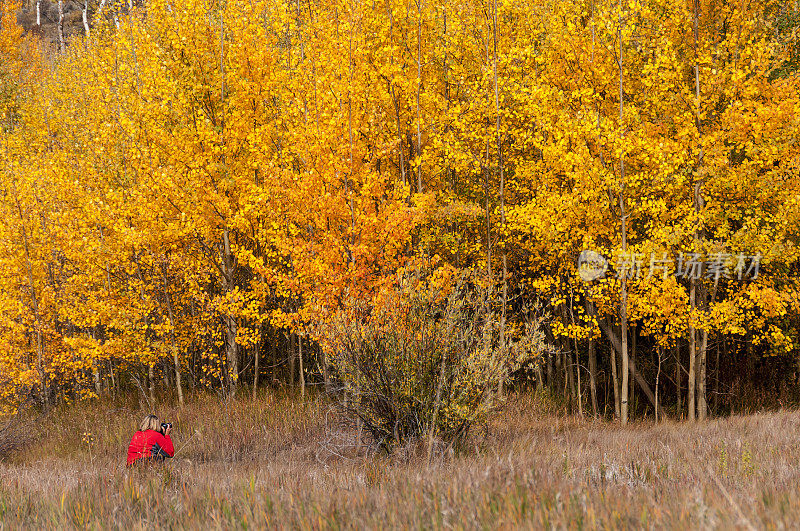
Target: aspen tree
{"points": [[85, 18], [623, 308], [173, 342], [699, 203], [61, 26], [419, 4], [502, 192]]}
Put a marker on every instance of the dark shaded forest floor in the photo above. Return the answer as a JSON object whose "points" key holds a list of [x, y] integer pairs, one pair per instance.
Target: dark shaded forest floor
{"points": [[280, 462]]}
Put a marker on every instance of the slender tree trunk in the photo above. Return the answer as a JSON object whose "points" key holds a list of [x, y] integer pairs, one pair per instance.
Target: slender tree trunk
{"points": [[231, 325], [40, 361], [488, 219], [606, 399], [292, 359], [678, 378], [350, 136], [578, 380], [615, 382], [623, 307], [96, 377], [39, 13], [617, 345], [256, 368], [697, 398], [61, 26], [593, 377], [658, 375], [228, 260], [151, 383], [717, 377], [588, 306], [173, 342], [274, 355], [502, 191], [419, 89], [702, 404], [85, 15], [438, 402], [623, 311], [539, 379], [592, 353], [569, 371], [302, 372], [113, 378], [95, 369], [140, 275], [231, 354], [632, 387], [692, 384], [401, 160], [325, 375]]}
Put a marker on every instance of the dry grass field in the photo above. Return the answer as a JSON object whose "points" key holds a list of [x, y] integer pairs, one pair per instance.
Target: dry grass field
{"points": [[281, 463]]}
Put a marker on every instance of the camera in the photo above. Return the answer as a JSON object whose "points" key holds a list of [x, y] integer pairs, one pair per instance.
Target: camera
{"points": [[165, 426]]}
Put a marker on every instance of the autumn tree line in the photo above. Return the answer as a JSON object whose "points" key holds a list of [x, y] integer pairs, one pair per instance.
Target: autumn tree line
{"points": [[191, 191]]}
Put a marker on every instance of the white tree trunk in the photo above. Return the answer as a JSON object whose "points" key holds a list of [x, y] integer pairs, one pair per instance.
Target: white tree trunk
{"points": [[623, 307], [700, 376], [151, 384], [658, 376], [503, 197], [419, 89], [61, 26], [302, 370], [173, 341], [86, 17]]}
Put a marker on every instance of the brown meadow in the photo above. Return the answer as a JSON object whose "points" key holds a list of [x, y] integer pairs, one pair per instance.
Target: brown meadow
{"points": [[280, 462]]}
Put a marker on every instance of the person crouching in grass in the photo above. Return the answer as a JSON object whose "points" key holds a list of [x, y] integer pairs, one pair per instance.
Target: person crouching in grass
{"points": [[151, 443]]}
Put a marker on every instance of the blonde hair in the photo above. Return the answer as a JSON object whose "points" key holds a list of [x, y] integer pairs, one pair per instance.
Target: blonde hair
{"points": [[150, 422]]}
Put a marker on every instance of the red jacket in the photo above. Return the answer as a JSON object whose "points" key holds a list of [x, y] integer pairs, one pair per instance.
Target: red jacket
{"points": [[149, 444]]}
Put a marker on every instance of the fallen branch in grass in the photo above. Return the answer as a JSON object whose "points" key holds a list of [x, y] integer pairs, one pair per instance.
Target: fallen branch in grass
{"points": [[718, 483]]}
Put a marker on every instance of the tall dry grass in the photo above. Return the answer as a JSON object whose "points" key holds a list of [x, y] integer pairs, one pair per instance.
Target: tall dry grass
{"points": [[281, 463]]}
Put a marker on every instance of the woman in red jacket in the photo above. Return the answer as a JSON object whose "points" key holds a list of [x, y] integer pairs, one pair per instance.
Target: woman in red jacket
{"points": [[150, 443]]}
